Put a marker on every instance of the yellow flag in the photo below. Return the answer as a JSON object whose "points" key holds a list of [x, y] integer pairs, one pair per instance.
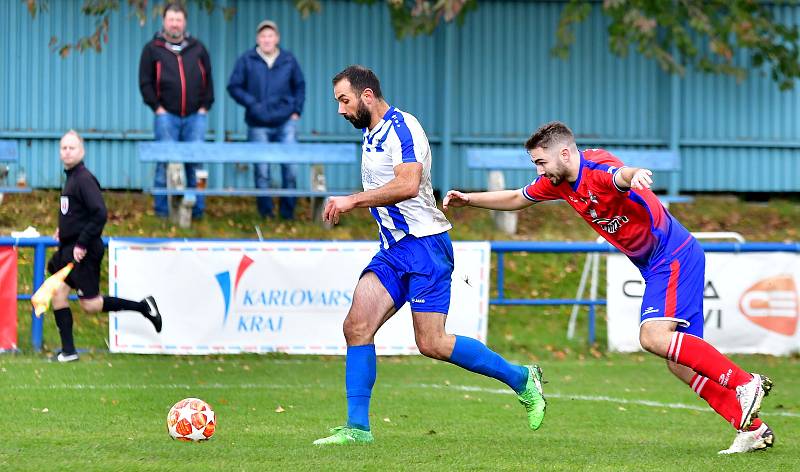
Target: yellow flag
{"points": [[41, 299]]}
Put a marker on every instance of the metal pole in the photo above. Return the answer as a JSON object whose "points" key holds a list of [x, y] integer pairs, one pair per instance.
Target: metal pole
{"points": [[500, 276], [39, 252], [219, 88], [447, 108], [573, 317], [674, 127], [593, 294]]}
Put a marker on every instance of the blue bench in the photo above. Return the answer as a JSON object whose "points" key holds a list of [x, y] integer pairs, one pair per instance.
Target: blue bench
{"points": [[314, 154], [660, 160], [9, 154], [657, 160]]}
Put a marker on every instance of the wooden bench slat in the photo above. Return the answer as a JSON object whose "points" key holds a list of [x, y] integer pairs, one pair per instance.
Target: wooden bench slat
{"points": [[247, 192], [15, 190], [653, 159], [499, 159], [277, 153], [506, 158], [517, 159]]}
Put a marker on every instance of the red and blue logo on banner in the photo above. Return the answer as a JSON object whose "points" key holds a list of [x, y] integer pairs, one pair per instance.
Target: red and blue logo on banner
{"points": [[8, 298]]}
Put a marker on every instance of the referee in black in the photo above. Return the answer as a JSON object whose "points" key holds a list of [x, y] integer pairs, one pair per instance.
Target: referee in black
{"points": [[80, 225]]}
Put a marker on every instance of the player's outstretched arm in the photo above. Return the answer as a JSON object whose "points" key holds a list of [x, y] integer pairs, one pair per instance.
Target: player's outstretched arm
{"points": [[499, 200], [633, 177]]}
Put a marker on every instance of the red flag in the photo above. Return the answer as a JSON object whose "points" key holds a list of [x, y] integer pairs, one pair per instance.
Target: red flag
{"points": [[8, 298]]}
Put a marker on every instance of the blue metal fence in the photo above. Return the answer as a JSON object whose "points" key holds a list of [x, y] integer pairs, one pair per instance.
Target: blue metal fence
{"points": [[500, 248]]}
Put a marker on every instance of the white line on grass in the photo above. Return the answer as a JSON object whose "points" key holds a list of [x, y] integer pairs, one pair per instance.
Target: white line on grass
{"points": [[463, 388], [596, 398]]}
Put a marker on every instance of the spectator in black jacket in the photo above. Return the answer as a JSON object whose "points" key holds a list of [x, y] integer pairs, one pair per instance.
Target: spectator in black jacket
{"points": [[175, 81], [80, 226], [268, 82]]}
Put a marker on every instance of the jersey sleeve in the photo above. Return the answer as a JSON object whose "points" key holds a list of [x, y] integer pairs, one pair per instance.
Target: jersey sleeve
{"points": [[599, 159], [540, 190], [410, 143], [609, 178]]}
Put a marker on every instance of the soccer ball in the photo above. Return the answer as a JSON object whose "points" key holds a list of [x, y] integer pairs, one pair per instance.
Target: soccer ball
{"points": [[191, 419]]}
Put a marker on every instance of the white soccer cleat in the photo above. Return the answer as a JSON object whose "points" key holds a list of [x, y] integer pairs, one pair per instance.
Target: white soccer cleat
{"points": [[63, 357], [749, 441], [750, 396]]}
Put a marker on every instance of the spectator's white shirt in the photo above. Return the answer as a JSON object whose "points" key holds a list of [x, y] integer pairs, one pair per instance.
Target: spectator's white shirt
{"points": [[396, 139]]}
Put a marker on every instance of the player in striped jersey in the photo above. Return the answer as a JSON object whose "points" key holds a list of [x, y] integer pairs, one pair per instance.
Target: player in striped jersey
{"points": [[414, 263], [617, 203]]}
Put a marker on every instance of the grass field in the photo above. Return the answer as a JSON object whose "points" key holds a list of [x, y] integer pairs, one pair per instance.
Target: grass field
{"points": [[606, 411], [615, 413]]}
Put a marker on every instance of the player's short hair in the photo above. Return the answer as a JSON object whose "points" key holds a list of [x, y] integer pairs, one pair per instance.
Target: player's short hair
{"points": [[76, 134], [550, 134], [176, 7], [360, 78]]}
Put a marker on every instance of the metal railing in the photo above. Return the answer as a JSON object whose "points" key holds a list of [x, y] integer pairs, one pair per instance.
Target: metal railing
{"points": [[501, 248]]}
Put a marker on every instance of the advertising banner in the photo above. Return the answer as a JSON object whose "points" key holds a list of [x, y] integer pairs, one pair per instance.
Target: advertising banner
{"points": [[231, 297], [750, 302]]}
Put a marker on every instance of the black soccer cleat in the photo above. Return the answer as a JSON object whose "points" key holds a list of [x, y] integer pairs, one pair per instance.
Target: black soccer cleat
{"points": [[152, 312]]}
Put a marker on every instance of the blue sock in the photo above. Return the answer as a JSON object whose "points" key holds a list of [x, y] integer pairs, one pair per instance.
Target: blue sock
{"points": [[360, 373], [476, 357]]}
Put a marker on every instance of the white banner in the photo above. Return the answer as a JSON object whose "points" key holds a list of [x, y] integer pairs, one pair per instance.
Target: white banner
{"points": [[231, 297], [750, 303]]}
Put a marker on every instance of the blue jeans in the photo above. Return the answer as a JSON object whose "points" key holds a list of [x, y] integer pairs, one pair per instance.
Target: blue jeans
{"points": [[169, 127], [285, 133]]}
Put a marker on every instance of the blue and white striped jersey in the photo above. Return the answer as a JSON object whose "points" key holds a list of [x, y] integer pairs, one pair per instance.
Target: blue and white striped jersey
{"points": [[396, 139]]}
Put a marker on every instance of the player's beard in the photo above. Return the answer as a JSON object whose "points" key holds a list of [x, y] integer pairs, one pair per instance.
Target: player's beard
{"points": [[362, 117], [559, 176]]}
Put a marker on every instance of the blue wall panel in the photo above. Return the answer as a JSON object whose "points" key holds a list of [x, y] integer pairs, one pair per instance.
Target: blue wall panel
{"points": [[505, 83]]}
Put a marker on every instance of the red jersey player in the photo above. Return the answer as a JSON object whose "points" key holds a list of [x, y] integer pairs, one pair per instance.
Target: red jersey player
{"points": [[617, 202]]}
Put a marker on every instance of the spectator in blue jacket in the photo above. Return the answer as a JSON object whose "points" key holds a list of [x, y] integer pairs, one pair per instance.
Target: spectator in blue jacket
{"points": [[268, 82]]}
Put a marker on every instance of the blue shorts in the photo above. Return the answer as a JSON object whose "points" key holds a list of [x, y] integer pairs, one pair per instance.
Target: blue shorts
{"points": [[417, 270], [674, 290]]}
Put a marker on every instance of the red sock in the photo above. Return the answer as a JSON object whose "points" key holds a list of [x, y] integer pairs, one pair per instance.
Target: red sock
{"points": [[693, 352], [722, 400]]}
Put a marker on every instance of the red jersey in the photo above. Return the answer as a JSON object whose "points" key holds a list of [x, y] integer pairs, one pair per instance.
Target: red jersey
{"points": [[633, 221]]}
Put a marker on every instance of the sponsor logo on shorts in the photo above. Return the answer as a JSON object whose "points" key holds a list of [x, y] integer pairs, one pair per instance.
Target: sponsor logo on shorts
{"points": [[772, 303], [417, 300]]}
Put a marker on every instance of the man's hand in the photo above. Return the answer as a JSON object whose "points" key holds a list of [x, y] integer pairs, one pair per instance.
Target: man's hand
{"points": [[55, 235], [160, 110], [78, 253], [641, 179], [336, 206], [455, 199]]}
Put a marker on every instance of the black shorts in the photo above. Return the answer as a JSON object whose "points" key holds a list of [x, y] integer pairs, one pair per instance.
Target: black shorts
{"points": [[84, 277]]}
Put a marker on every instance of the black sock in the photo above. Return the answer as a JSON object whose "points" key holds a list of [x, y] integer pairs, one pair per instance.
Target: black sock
{"points": [[64, 323], [122, 304]]}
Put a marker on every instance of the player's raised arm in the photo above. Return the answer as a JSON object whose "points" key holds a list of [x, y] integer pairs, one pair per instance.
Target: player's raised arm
{"points": [[633, 177], [499, 200]]}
